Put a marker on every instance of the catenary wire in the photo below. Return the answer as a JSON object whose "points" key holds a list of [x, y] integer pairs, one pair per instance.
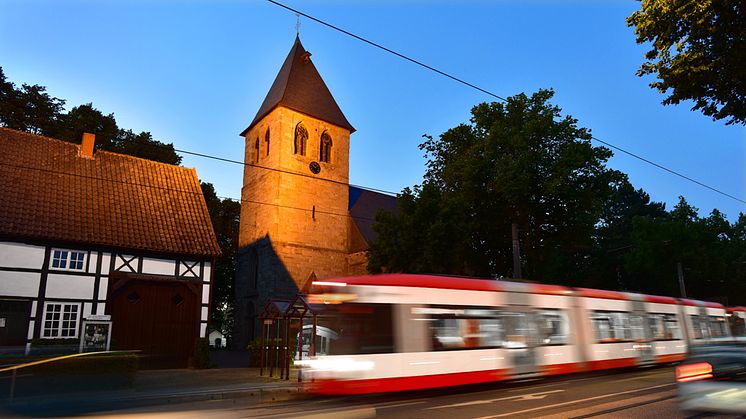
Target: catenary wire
{"points": [[274, 169], [487, 92], [144, 185]]}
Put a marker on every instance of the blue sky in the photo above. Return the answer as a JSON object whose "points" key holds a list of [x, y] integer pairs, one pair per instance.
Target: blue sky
{"points": [[194, 72]]}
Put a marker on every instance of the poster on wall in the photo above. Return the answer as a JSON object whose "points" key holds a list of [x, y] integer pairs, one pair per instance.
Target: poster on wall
{"points": [[96, 336]]}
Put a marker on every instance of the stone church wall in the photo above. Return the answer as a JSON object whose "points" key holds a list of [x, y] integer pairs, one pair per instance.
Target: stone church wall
{"points": [[294, 224]]}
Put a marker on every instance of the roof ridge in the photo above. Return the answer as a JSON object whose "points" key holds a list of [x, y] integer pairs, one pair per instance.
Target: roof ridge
{"points": [[77, 146], [41, 137], [129, 156], [110, 202]]}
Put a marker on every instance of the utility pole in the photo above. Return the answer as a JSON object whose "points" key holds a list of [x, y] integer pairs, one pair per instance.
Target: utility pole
{"points": [[682, 288], [516, 252]]}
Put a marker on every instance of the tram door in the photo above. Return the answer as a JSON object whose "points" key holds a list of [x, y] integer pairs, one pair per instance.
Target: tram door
{"points": [[639, 323], [520, 338]]}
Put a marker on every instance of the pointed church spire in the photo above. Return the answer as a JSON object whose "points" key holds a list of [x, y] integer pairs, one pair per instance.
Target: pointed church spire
{"points": [[298, 86]]}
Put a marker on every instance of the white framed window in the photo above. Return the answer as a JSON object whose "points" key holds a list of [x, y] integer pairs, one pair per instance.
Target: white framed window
{"points": [[72, 260], [61, 320]]}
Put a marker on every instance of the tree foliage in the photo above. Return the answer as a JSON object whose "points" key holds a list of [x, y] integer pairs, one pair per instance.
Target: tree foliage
{"points": [[224, 214], [698, 53], [580, 223], [28, 108], [711, 251], [519, 162]]}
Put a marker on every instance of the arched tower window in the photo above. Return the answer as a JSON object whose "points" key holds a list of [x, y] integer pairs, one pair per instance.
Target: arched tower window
{"points": [[266, 141], [256, 150], [301, 138], [325, 152]]}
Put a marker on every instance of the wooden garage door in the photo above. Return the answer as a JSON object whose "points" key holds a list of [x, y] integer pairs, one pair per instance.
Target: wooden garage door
{"points": [[159, 317]]}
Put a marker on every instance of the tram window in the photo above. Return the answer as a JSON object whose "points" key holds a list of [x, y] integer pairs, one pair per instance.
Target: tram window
{"points": [[699, 327], [673, 331], [738, 324], [358, 328], [664, 326], [656, 326], [517, 329], [456, 327], [717, 327], [552, 326], [616, 326], [635, 327]]}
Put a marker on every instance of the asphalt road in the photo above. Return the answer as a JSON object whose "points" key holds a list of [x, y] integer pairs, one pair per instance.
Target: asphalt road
{"points": [[646, 393]]}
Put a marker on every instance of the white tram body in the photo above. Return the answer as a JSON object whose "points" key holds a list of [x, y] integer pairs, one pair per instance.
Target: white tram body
{"points": [[737, 322], [398, 332]]}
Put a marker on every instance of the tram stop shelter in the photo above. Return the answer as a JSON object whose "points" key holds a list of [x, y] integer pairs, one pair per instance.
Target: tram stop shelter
{"points": [[282, 320]]}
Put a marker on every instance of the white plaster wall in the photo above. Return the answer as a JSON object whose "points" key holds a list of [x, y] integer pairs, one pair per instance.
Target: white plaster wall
{"points": [[158, 266], [205, 294], [204, 314], [202, 330], [103, 286], [17, 255], [30, 334], [131, 266], [184, 271], [105, 262], [92, 262], [87, 307], [208, 269], [69, 286], [101, 308], [19, 284]]}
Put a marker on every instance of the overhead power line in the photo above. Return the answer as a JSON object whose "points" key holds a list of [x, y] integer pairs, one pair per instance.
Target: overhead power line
{"points": [[487, 92], [391, 51], [273, 169], [184, 191]]}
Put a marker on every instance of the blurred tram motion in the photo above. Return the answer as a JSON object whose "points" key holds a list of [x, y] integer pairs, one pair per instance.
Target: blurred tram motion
{"points": [[737, 322], [400, 332]]}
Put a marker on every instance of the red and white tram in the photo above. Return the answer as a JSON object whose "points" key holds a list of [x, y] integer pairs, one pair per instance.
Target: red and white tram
{"points": [[737, 322], [398, 332]]}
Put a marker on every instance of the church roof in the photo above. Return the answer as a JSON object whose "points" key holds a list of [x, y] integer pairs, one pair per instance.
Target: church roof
{"points": [[363, 206], [298, 86], [50, 193]]}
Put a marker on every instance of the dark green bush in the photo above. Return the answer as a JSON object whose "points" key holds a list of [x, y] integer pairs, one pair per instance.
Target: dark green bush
{"points": [[201, 357]]}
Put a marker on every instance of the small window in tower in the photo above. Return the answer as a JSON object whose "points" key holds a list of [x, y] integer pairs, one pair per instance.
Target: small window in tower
{"points": [[301, 138], [256, 151], [325, 153], [266, 141]]}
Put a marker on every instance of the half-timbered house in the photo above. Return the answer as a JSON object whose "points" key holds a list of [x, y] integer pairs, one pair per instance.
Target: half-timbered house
{"points": [[92, 233]]}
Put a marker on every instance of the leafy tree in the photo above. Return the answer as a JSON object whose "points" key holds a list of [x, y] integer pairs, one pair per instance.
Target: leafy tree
{"points": [[519, 162], [614, 233], [143, 145], [709, 250], [224, 214], [85, 118], [699, 51], [29, 108]]}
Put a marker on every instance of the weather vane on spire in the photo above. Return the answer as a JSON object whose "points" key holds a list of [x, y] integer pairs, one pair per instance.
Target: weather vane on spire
{"points": [[297, 24]]}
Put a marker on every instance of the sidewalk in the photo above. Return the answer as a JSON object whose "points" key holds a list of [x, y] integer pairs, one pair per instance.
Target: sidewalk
{"points": [[159, 387]]}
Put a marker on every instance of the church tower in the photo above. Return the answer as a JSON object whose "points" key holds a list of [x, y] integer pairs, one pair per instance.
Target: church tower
{"points": [[294, 212]]}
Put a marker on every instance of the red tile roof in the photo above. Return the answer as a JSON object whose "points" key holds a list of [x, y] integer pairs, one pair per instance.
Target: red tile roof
{"points": [[49, 192], [299, 86]]}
